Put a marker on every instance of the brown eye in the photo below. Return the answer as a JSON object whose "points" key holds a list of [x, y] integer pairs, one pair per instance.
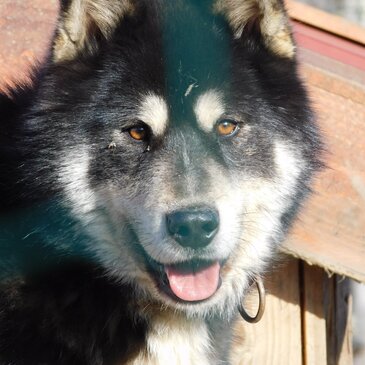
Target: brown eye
{"points": [[226, 127], [138, 133]]}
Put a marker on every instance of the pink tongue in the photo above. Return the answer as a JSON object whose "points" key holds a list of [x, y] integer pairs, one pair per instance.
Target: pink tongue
{"points": [[193, 286]]}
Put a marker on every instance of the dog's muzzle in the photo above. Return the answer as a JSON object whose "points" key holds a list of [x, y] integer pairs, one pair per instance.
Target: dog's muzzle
{"points": [[194, 280]]}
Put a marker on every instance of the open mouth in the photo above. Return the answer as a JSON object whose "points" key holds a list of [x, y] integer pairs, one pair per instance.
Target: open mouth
{"points": [[190, 282]]}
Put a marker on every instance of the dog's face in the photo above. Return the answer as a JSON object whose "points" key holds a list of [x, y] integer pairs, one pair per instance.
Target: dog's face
{"points": [[187, 144]]}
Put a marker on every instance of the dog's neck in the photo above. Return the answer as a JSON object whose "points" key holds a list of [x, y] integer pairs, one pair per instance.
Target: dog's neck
{"points": [[174, 339]]}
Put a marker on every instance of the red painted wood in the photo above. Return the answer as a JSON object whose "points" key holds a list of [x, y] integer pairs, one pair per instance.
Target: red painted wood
{"points": [[329, 45]]}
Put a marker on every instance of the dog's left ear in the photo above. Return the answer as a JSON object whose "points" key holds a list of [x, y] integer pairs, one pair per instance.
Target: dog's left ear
{"points": [[268, 17], [83, 24]]}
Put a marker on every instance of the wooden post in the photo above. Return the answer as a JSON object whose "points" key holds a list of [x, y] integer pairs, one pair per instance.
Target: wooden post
{"points": [[307, 320], [326, 305]]}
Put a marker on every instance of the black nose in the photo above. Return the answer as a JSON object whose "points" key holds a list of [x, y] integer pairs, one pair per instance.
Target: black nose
{"points": [[194, 227]]}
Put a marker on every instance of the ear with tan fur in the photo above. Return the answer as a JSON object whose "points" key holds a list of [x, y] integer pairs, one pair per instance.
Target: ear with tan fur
{"points": [[268, 15], [83, 22]]}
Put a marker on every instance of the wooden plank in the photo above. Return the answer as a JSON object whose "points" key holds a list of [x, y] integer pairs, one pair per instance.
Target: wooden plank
{"points": [[330, 232], [332, 75], [307, 321], [325, 21], [326, 318], [340, 347], [276, 339], [329, 45], [315, 285]]}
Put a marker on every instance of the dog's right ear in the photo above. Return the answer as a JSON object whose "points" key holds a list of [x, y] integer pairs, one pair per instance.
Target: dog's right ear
{"points": [[267, 17], [83, 24]]}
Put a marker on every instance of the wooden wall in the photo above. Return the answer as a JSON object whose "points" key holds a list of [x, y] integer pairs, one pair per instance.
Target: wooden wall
{"points": [[307, 320]]}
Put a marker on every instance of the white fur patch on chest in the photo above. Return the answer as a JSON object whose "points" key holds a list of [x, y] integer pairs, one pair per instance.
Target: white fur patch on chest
{"points": [[172, 341]]}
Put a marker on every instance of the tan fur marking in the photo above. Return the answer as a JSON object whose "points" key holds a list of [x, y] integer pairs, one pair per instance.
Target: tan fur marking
{"points": [[272, 19], [154, 112], [82, 21], [209, 108]]}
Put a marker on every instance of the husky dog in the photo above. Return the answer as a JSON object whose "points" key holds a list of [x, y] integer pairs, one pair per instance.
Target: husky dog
{"points": [[148, 175]]}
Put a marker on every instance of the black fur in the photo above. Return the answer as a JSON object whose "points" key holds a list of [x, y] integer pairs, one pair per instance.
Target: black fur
{"points": [[69, 315]]}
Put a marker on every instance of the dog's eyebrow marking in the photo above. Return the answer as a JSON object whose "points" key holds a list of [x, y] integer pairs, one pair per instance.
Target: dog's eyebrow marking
{"points": [[154, 112], [208, 109]]}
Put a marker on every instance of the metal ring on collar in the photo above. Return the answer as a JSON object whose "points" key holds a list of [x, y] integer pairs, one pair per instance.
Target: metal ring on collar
{"points": [[262, 302]]}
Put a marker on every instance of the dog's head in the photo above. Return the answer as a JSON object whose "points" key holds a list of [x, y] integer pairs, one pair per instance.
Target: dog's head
{"points": [[186, 140]]}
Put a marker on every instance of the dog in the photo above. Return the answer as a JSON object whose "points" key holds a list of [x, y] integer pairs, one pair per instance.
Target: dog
{"points": [[148, 175]]}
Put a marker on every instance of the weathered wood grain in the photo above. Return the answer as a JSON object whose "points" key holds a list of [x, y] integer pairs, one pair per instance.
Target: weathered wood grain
{"points": [[276, 339], [326, 307], [315, 287], [323, 20], [331, 229]]}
